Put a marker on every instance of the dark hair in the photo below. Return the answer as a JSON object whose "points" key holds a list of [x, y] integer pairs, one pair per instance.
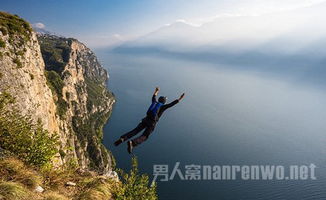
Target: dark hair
{"points": [[162, 99]]}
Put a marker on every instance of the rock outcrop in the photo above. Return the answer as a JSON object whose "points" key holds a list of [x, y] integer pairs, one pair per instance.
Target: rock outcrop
{"points": [[61, 84]]}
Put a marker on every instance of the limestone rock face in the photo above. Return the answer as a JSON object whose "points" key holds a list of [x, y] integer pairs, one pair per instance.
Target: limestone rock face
{"points": [[59, 82], [23, 77], [89, 103]]}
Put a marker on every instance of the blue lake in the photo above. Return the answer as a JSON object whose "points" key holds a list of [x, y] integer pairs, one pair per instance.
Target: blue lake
{"points": [[230, 116]]}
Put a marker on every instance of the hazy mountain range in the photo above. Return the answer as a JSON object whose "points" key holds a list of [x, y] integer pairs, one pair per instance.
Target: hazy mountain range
{"points": [[288, 31], [292, 42]]}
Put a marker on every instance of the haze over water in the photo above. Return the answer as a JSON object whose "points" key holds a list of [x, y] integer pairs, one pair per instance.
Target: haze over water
{"points": [[228, 117]]}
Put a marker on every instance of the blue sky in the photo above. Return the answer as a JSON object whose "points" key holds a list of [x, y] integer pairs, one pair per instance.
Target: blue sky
{"points": [[104, 18], [101, 22]]}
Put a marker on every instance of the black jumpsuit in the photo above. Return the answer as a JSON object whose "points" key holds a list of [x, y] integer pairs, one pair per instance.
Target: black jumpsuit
{"points": [[147, 123]]}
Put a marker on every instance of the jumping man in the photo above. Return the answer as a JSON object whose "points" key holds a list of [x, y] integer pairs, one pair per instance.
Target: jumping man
{"points": [[148, 123]]}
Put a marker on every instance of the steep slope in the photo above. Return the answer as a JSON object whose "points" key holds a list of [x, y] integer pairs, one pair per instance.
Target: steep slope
{"points": [[22, 71], [70, 97], [83, 102]]}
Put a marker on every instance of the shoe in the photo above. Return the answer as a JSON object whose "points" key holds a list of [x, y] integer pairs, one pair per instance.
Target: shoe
{"points": [[130, 147], [116, 143]]}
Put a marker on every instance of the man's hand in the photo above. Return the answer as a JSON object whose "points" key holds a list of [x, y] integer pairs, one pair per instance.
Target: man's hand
{"points": [[181, 97], [157, 89]]}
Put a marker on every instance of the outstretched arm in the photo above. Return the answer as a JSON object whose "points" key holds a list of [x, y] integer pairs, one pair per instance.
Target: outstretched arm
{"points": [[173, 102], [157, 89], [181, 97]]}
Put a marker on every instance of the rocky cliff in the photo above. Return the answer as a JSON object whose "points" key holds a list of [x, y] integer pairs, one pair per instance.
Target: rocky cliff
{"points": [[59, 82]]}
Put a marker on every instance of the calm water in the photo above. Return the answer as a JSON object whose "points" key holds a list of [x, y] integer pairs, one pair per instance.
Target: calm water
{"points": [[228, 117]]}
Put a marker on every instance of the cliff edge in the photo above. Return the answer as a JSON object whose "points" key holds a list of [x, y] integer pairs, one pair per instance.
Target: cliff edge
{"points": [[60, 83], [54, 102]]}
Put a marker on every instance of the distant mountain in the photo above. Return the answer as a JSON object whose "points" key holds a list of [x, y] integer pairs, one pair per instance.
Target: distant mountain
{"points": [[284, 32], [290, 43], [43, 31]]}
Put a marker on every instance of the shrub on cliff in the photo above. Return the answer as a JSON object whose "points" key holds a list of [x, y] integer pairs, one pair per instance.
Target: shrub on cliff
{"points": [[56, 84], [21, 136], [135, 185]]}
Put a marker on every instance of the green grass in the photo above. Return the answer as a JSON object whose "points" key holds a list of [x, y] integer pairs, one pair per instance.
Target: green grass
{"points": [[97, 189], [18, 181], [13, 191], [12, 169], [14, 25], [54, 196], [19, 32]]}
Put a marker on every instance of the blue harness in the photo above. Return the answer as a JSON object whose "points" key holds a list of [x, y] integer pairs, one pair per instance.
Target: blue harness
{"points": [[154, 109]]}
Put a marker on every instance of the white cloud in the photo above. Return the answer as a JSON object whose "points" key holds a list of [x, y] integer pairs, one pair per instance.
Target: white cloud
{"points": [[117, 37], [38, 25], [255, 8]]}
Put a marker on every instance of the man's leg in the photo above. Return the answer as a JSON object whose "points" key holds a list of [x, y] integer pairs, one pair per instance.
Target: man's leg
{"points": [[131, 133], [140, 139], [143, 137]]}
